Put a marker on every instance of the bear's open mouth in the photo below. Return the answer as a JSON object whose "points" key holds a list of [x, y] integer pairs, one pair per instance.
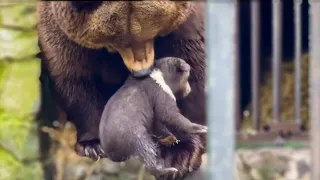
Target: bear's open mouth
{"points": [[139, 58]]}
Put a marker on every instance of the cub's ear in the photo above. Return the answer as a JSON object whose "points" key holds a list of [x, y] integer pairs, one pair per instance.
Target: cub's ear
{"points": [[184, 67]]}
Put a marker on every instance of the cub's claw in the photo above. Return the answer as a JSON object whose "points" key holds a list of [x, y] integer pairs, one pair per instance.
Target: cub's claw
{"points": [[91, 150], [164, 171], [179, 175]]}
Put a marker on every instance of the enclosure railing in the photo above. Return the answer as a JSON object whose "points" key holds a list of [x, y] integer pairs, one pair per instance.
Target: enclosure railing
{"points": [[222, 86], [286, 130]]}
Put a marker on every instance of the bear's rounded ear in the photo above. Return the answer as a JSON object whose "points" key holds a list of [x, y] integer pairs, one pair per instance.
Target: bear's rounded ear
{"points": [[184, 67]]}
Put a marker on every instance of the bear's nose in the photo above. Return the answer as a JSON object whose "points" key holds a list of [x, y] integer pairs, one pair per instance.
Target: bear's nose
{"points": [[185, 67]]}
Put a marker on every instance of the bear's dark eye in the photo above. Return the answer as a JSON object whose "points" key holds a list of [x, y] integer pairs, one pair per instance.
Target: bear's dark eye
{"points": [[85, 5]]}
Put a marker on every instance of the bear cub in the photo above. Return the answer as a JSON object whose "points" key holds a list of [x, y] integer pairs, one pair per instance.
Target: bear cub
{"points": [[143, 107]]}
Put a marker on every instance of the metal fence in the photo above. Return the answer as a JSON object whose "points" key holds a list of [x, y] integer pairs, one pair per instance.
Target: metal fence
{"points": [[223, 84], [292, 130]]}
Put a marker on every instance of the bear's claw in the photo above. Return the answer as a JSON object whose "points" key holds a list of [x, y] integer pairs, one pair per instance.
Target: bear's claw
{"points": [[90, 150]]}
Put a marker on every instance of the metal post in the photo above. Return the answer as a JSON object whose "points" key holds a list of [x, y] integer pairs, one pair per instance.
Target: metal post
{"points": [[297, 58], [237, 110], [277, 55], [255, 61], [314, 89], [221, 56]]}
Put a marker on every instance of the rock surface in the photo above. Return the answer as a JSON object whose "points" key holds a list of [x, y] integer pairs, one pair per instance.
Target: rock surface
{"points": [[266, 164], [280, 164]]}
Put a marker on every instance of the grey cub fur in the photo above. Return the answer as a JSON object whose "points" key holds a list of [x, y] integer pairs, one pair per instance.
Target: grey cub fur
{"points": [[142, 107]]}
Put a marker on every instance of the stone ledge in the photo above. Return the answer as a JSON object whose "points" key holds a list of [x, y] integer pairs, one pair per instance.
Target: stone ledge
{"points": [[266, 164]]}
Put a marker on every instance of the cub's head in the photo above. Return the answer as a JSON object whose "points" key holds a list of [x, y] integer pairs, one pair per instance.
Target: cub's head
{"points": [[175, 73], [127, 27]]}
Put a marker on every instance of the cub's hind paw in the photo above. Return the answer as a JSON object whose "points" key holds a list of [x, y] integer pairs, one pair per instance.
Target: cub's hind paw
{"points": [[170, 140]]}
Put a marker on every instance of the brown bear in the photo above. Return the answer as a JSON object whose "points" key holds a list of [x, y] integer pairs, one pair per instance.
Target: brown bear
{"points": [[90, 48], [141, 103]]}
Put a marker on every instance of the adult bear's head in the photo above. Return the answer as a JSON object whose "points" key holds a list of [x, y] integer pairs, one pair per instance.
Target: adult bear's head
{"points": [[127, 27]]}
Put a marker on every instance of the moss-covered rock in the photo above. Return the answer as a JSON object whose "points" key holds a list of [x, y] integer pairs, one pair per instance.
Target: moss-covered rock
{"points": [[19, 93]]}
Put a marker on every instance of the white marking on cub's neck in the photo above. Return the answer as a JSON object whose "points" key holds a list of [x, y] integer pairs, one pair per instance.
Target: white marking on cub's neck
{"points": [[156, 75]]}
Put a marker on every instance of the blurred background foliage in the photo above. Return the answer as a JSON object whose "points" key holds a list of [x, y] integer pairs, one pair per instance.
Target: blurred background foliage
{"points": [[19, 92]]}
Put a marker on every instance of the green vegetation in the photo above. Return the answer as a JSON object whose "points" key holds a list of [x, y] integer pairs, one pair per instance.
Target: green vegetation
{"points": [[19, 92]]}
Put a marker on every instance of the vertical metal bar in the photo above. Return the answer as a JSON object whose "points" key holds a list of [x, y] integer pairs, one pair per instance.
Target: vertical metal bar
{"points": [[237, 71], [220, 53], [277, 55], [255, 58], [297, 58], [314, 89]]}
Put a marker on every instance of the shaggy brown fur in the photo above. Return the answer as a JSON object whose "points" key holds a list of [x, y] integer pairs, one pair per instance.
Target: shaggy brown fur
{"points": [[86, 75]]}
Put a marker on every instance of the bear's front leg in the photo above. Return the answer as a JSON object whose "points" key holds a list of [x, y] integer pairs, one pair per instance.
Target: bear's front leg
{"points": [[83, 104]]}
